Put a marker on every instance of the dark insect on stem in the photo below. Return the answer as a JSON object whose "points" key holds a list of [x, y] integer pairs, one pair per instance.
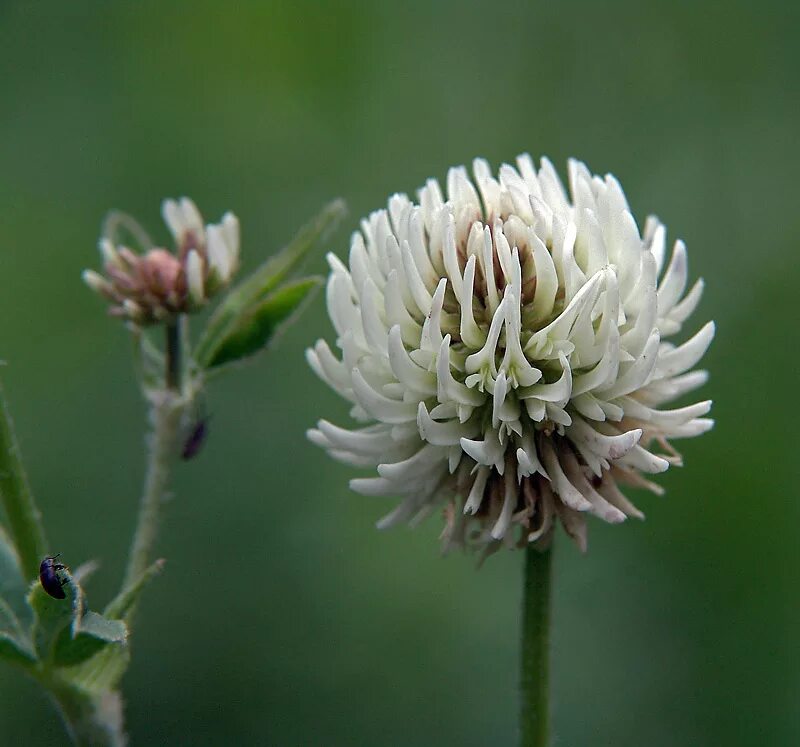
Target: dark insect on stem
{"points": [[195, 440], [49, 579]]}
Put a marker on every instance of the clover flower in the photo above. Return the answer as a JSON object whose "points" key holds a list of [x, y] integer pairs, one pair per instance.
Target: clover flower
{"points": [[508, 351], [157, 285]]}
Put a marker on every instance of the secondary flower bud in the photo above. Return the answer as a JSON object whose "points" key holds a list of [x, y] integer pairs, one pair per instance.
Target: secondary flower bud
{"points": [[157, 285]]}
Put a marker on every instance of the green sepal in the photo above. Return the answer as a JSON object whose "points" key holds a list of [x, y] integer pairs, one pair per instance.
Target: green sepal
{"points": [[122, 229], [255, 290], [255, 327]]}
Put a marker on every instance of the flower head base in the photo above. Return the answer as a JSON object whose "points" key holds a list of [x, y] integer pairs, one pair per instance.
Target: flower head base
{"points": [[507, 352], [157, 285]]}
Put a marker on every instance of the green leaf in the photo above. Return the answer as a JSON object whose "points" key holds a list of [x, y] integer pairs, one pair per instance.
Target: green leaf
{"points": [[24, 521], [94, 625], [15, 651], [65, 632], [118, 607], [52, 616], [261, 283], [100, 673], [10, 574], [257, 326], [12, 585], [15, 646], [80, 642]]}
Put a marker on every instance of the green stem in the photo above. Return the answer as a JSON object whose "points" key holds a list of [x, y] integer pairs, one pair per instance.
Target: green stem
{"points": [[166, 409], [166, 417], [90, 720], [535, 676], [24, 518], [173, 356]]}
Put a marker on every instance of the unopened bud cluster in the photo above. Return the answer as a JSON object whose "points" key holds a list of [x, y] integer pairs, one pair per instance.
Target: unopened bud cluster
{"points": [[157, 285]]}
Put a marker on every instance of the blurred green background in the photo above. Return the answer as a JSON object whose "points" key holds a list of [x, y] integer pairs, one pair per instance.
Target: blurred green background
{"points": [[284, 617]]}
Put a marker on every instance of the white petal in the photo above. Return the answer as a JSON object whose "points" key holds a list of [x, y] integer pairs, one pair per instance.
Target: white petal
{"points": [[381, 407], [475, 497], [408, 373], [565, 490], [194, 277], [509, 503], [447, 433], [682, 358]]}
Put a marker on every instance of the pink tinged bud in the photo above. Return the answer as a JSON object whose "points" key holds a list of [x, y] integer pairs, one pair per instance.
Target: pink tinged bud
{"points": [[109, 254], [99, 284], [163, 270], [155, 286], [132, 310]]}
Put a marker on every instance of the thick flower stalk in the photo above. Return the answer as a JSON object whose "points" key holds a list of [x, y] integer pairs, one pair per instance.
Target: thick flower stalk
{"points": [[509, 352], [158, 285]]}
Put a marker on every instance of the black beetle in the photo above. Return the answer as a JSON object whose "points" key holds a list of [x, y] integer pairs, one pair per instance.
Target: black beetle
{"points": [[194, 441], [48, 577]]}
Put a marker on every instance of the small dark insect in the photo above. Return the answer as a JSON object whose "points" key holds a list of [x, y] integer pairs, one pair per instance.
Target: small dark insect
{"points": [[48, 576], [195, 440]]}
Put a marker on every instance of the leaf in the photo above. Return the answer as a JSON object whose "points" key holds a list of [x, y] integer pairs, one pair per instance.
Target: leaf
{"points": [[255, 327], [10, 574], [52, 616], [23, 519], [95, 625], [15, 651], [65, 632], [15, 646], [118, 607], [77, 643], [12, 585], [260, 284], [85, 571], [100, 673]]}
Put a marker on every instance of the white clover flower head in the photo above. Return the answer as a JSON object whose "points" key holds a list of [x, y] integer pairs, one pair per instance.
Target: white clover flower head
{"points": [[508, 351], [155, 286]]}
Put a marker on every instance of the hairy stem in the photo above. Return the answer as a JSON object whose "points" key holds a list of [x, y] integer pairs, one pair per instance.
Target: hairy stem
{"points": [[535, 659], [166, 409], [24, 518], [90, 720], [173, 356]]}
